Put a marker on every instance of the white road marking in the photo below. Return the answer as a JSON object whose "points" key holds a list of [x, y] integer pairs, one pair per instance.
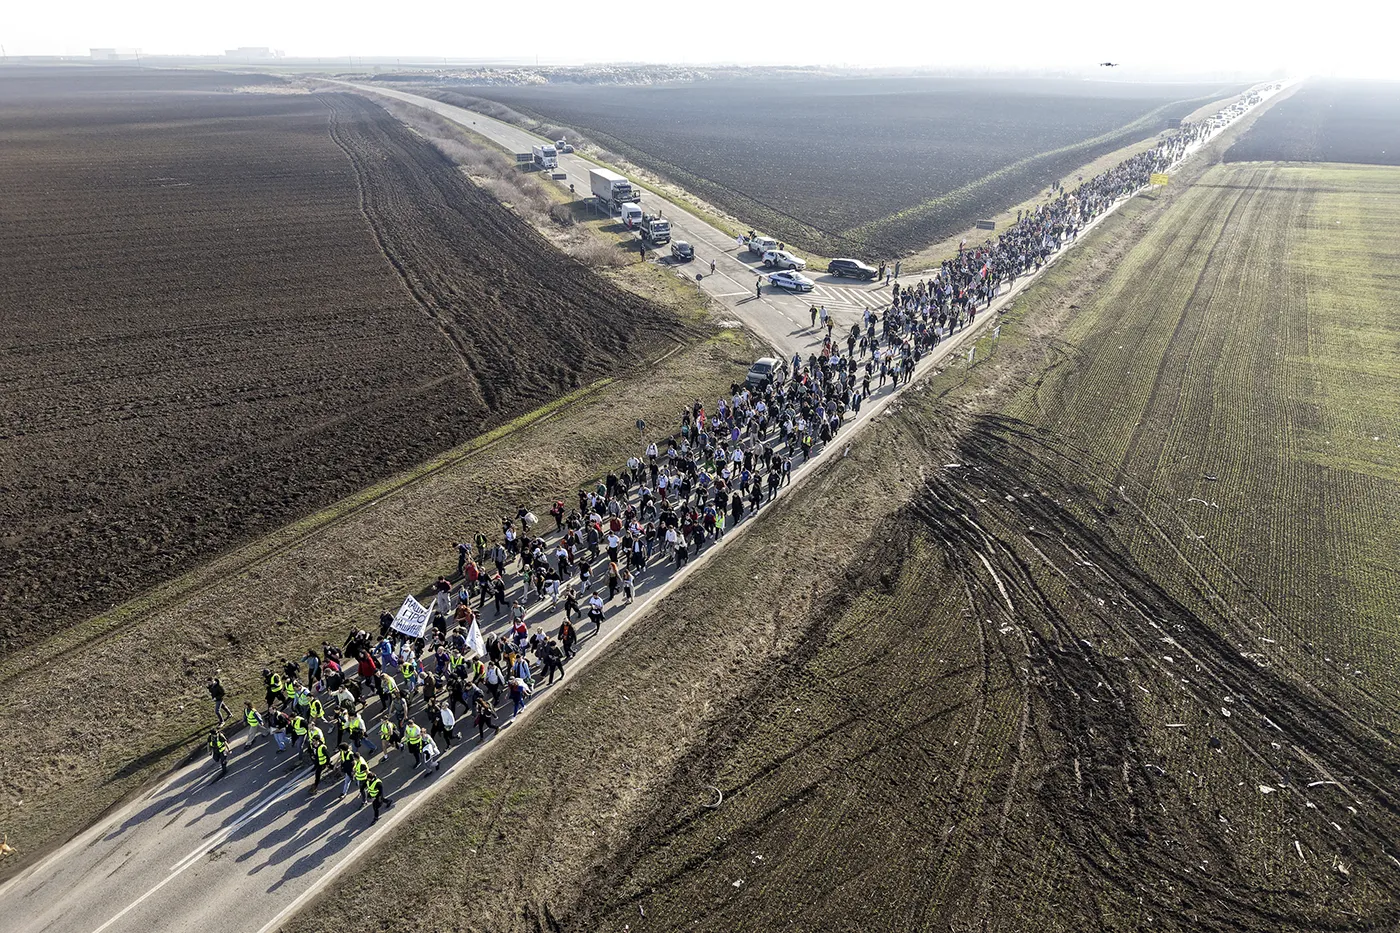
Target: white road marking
{"points": [[216, 840]]}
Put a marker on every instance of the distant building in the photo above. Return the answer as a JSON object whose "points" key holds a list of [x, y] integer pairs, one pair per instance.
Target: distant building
{"points": [[248, 52], [114, 55]]}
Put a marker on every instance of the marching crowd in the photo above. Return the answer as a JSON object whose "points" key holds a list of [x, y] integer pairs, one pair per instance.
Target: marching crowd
{"points": [[934, 308], [384, 692]]}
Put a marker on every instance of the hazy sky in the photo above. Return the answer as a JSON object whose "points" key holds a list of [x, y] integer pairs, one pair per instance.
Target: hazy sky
{"points": [[1342, 37]]}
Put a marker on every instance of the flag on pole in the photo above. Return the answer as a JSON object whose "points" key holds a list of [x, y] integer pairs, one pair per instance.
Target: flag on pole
{"points": [[971, 350], [474, 640], [984, 270], [996, 332]]}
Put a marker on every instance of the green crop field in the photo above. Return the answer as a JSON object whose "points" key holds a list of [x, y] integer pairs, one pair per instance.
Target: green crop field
{"points": [[1238, 380]]}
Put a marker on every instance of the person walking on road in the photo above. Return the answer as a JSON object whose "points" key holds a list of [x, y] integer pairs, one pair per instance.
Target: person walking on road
{"points": [[218, 749], [359, 772], [374, 789], [485, 718], [320, 760], [553, 660], [758, 288], [595, 612], [390, 735], [346, 759], [254, 722], [567, 638], [413, 741]]}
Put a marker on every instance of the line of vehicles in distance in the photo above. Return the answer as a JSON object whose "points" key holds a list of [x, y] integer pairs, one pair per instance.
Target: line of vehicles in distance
{"points": [[619, 195]]}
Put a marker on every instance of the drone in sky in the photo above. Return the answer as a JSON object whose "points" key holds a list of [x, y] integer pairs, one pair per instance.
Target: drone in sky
{"points": [[1108, 64]]}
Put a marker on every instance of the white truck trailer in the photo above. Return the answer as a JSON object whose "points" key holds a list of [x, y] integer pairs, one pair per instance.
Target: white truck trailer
{"points": [[612, 189]]}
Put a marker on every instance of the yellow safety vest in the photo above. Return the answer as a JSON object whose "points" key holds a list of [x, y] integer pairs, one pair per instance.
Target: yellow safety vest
{"points": [[373, 788], [321, 756], [413, 734], [251, 718], [299, 726], [361, 769]]}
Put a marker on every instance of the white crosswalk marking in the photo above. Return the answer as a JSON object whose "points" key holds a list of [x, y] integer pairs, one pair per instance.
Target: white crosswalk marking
{"points": [[850, 297]]}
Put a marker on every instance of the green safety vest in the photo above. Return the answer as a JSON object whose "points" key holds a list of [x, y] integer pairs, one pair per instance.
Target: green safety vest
{"points": [[316, 734], [317, 710], [413, 734], [299, 726], [361, 768], [386, 730], [389, 685], [218, 743], [321, 756], [274, 684], [289, 690], [251, 718], [346, 755], [373, 788]]}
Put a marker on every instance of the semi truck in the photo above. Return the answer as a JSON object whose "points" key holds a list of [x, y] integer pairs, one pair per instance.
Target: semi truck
{"points": [[611, 188], [655, 230], [545, 156]]}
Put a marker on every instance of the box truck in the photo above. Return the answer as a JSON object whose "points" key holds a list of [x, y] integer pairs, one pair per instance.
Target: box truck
{"points": [[611, 188]]}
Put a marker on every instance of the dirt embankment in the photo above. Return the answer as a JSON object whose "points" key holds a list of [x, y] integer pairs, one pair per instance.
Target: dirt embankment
{"points": [[228, 310]]}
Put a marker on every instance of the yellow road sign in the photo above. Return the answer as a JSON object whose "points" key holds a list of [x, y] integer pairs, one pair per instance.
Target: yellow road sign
{"points": [[1158, 178]]}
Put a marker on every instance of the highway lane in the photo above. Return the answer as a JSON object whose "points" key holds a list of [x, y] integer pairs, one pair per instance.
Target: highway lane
{"points": [[240, 853], [779, 317]]}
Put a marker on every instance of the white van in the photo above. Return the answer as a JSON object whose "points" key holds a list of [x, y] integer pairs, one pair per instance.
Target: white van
{"points": [[631, 215]]}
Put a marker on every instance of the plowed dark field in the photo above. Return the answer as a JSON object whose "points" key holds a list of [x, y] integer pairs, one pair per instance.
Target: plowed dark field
{"points": [[1328, 121], [871, 166], [223, 310]]}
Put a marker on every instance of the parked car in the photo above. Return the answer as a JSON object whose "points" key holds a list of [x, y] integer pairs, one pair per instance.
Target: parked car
{"points": [[682, 251], [758, 245], [782, 259], [762, 372], [852, 267], [793, 280]]}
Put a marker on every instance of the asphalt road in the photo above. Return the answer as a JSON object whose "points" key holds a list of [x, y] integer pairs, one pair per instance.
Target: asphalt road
{"points": [[779, 317], [241, 853]]}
